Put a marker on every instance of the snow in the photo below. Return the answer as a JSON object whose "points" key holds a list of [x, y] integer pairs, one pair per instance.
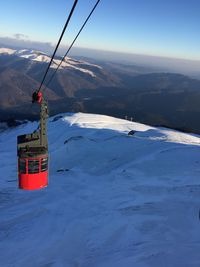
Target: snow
{"points": [[67, 64], [117, 200], [39, 56], [33, 55], [75, 62], [7, 51], [3, 126]]}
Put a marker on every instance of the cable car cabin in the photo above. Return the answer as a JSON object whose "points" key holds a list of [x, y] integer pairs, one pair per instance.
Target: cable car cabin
{"points": [[32, 151], [32, 163]]}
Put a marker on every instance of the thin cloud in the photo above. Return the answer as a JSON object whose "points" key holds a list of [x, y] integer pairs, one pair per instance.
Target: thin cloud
{"points": [[19, 42], [20, 36]]}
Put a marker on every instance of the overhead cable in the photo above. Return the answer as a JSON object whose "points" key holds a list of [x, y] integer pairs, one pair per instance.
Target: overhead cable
{"points": [[51, 77], [63, 31]]}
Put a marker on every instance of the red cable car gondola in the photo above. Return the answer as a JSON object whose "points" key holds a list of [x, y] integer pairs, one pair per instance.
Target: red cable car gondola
{"points": [[32, 151]]}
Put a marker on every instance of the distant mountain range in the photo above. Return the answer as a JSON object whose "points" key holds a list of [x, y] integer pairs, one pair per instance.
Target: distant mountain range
{"points": [[87, 85], [22, 70]]}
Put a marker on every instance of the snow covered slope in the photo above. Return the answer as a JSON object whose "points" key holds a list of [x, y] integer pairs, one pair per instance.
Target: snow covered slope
{"points": [[113, 200], [40, 56]]}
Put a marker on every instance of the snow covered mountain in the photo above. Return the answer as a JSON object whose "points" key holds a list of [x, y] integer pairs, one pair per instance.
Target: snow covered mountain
{"points": [[113, 200], [40, 56], [22, 70]]}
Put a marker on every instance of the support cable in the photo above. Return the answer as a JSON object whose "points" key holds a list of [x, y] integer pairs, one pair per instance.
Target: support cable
{"points": [[66, 24], [72, 43]]}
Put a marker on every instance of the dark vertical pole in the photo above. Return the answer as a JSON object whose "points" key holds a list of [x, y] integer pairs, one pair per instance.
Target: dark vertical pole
{"points": [[43, 123]]}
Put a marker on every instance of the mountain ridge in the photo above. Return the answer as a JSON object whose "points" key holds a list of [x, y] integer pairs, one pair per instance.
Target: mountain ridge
{"points": [[158, 98]]}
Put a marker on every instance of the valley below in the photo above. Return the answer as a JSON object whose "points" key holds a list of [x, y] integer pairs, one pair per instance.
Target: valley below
{"points": [[87, 85]]}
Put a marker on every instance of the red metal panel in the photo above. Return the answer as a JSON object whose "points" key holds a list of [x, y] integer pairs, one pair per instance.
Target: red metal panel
{"points": [[33, 181]]}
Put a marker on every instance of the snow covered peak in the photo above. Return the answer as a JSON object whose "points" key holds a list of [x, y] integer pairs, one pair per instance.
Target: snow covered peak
{"points": [[7, 51], [33, 55], [39, 56], [143, 131], [26, 53]]}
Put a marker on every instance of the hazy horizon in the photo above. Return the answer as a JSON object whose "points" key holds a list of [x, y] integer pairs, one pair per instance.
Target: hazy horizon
{"points": [[185, 66]]}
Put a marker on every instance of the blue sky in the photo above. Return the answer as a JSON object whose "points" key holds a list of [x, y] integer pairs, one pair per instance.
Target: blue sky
{"points": [[153, 27]]}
